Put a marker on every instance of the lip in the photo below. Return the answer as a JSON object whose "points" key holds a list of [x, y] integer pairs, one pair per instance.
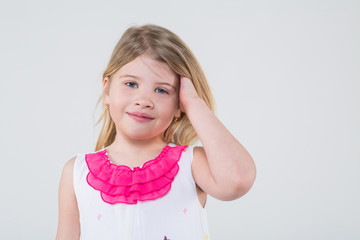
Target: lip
{"points": [[140, 117]]}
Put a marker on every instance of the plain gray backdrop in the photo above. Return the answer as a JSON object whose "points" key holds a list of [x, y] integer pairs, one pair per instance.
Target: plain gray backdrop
{"points": [[285, 75]]}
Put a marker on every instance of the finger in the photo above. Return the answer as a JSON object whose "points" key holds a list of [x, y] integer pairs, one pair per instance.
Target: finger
{"points": [[184, 78]]}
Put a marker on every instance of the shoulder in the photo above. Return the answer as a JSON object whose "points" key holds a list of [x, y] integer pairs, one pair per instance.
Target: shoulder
{"points": [[199, 154], [69, 166], [68, 224], [199, 150], [203, 175], [67, 174], [199, 166], [66, 180], [193, 149]]}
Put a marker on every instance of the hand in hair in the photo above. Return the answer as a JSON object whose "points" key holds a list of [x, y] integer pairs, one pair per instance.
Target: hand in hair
{"points": [[187, 93], [222, 167]]}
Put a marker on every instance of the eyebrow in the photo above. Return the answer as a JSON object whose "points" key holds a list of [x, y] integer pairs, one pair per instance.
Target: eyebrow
{"points": [[136, 77], [128, 75]]}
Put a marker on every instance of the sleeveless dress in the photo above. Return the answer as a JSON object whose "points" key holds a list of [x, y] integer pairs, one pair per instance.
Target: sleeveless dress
{"points": [[157, 201]]}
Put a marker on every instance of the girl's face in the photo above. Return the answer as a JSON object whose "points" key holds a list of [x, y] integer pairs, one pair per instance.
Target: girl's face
{"points": [[143, 98]]}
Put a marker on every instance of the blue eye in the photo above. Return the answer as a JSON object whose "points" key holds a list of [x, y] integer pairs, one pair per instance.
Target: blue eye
{"points": [[160, 90], [131, 84]]}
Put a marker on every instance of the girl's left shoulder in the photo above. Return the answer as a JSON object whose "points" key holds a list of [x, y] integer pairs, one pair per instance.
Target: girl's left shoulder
{"points": [[201, 170], [205, 180]]}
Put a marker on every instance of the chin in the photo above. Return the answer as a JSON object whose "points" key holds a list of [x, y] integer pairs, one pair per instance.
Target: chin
{"points": [[144, 133], [142, 136]]}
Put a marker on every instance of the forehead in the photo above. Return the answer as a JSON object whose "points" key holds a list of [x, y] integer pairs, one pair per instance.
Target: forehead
{"points": [[145, 67]]}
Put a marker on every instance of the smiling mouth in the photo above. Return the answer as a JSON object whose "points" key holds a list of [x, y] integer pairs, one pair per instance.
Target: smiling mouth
{"points": [[140, 118]]}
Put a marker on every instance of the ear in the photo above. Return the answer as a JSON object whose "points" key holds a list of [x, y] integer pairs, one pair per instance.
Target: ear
{"points": [[106, 87]]}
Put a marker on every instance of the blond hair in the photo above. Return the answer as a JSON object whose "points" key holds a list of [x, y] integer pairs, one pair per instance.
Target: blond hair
{"points": [[164, 46]]}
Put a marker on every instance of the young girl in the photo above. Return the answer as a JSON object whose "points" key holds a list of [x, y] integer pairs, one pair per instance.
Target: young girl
{"points": [[145, 180]]}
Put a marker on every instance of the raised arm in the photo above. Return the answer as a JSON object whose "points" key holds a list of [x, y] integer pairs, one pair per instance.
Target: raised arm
{"points": [[222, 167], [68, 225]]}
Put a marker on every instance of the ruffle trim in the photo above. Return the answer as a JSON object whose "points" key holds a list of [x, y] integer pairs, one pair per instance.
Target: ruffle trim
{"points": [[121, 184]]}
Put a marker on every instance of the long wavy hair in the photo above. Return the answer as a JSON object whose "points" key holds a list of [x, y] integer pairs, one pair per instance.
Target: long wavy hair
{"points": [[162, 45]]}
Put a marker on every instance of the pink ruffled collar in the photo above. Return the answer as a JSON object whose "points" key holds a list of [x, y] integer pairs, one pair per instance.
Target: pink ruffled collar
{"points": [[121, 184]]}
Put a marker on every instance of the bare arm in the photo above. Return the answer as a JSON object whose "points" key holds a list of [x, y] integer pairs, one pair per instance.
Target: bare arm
{"points": [[69, 224], [222, 167]]}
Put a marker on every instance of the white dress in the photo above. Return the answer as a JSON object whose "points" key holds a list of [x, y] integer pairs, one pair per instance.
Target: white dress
{"points": [[170, 213]]}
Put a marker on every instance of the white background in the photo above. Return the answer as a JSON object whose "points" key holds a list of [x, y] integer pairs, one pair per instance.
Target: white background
{"points": [[285, 75]]}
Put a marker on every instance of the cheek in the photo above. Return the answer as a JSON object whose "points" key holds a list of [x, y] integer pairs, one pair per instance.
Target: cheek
{"points": [[119, 96], [116, 100], [168, 107]]}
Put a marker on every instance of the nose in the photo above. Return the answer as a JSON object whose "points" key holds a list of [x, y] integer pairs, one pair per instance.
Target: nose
{"points": [[144, 102]]}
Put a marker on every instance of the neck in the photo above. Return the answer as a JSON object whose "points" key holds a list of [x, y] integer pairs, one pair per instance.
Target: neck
{"points": [[123, 144]]}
